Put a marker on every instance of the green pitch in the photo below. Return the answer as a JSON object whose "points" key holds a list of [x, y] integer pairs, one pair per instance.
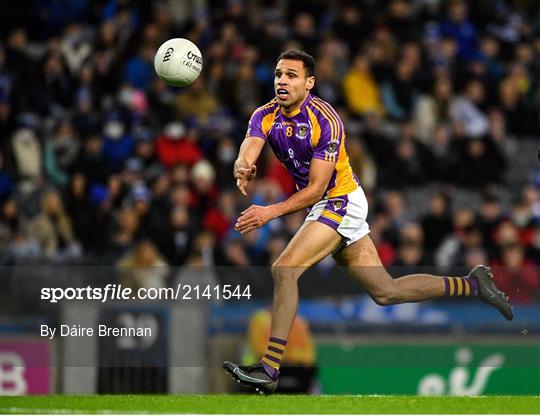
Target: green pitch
{"points": [[271, 404]]}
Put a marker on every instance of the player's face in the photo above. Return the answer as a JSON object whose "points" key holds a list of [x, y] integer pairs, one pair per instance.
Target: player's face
{"points": [[291, 84]]}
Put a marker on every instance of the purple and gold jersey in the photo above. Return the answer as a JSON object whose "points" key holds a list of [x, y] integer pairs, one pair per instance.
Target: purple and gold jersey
{"points": [[313, 131]]}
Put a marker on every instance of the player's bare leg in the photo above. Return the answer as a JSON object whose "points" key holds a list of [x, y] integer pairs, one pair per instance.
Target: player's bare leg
{"points": [[362, 262], [313, 242]]}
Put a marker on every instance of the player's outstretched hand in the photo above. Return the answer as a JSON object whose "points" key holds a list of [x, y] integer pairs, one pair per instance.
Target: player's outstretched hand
{"points": [[243, 175], [254, 217]]}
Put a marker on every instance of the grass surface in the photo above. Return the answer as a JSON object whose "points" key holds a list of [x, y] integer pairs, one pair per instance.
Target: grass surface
{"points": [[271, 404]]}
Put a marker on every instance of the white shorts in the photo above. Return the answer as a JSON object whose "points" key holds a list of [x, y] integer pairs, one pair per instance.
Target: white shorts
{"points": [[346, 214]]}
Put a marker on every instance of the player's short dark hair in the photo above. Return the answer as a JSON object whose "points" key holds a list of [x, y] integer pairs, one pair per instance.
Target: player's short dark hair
{"points": [[297, 55]]}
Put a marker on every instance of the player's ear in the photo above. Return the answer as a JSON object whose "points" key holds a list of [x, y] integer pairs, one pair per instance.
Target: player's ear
{"points": [[310, 83]]}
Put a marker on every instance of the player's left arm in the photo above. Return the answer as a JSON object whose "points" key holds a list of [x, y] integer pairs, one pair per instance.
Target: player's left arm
{"points": [[256, 216]]}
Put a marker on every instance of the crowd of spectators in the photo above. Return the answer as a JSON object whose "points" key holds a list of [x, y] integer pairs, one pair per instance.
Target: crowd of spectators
{"points": [[99, 159]]}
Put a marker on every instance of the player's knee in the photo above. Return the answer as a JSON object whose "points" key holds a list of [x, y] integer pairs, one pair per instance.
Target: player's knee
{"points": [[282, 273], [385, 295], [383, 300]]}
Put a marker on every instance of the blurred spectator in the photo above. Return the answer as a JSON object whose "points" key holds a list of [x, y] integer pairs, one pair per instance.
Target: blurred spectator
{"points": [[461, 29], [61, 150], [351, 24], [220, 219], [276, 245], [360, 89], [466, 110], [175, 239], [140, 199], [480, 162], [519, 119], [245, 91], [124, 232], [234, 254], [139, 69], [56, 83], [21, 65], [466, 236], [305, 31], [117, 143], [174, 146], [91, 160], [226, 155], [327, 85], [507, 26], [409, 259], [15, 236], [362, 164], [160, 101], [27, 153], [195, 273], [378, 228], [400, 20], [437, 223], [444, 154], [133, 172], [145, 150], [394, 208], [399, 94], [75, 48], [410, 254], [143, 267], [516, 275], [86, 120], [79, 209], [53, 228], [196, 102], [204, 193], [490, 217], [474, 257], [431, 110], [490, 49], [410, 164]]}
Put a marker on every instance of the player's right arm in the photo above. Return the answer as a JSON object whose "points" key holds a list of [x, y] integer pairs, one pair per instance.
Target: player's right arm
{"points": [[244, 166], [258, 127]]}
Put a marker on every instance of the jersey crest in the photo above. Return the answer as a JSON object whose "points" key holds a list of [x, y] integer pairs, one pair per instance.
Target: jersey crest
{"points": [[302, 132]]}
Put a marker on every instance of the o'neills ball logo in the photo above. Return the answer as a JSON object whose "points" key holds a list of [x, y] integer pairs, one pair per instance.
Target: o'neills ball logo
{"points": [[193, 62], [193, 57]]}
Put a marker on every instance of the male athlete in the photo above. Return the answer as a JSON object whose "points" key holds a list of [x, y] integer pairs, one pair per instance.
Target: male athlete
{"points": [[307, 136]]}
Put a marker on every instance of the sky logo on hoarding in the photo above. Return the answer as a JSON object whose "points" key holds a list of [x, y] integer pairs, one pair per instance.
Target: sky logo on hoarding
{"points": [[460, 380]]}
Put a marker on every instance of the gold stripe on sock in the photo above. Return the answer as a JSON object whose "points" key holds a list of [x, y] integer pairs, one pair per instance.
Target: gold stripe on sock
{"points": [[450, 286], [467, 287], [459, 283], [276, 345], [274, 354], [270, 363]]}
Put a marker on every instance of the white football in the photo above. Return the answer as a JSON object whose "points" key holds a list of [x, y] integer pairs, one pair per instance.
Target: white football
{"points": [[178, 62]]}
